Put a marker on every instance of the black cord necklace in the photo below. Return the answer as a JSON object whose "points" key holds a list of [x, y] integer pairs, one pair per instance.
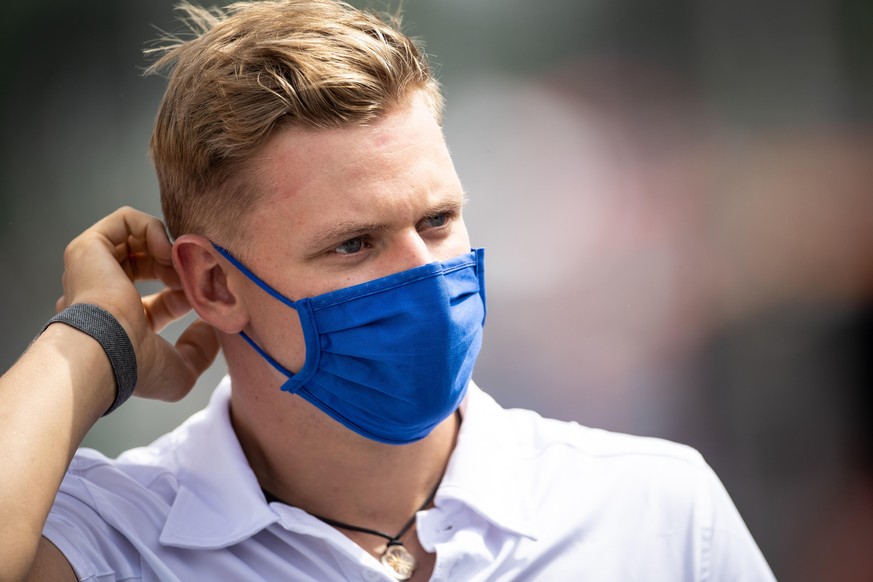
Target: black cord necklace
{"points": [[395, 557]]}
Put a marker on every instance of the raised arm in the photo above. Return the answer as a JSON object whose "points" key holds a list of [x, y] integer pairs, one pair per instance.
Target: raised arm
{"points": [[63, 383]]}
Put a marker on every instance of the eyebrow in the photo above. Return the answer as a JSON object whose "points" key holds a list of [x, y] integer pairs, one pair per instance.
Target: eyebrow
{"points": [[344, 230]]}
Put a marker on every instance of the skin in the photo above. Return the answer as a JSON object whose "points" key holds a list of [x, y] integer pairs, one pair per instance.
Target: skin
{"points": [[339, 207]]}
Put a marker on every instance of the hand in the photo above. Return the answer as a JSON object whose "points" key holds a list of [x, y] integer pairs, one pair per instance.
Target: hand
{"points": [[101, 266]]}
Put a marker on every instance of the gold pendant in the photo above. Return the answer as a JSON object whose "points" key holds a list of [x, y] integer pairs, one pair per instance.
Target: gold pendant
{"points": [[398, 559]]}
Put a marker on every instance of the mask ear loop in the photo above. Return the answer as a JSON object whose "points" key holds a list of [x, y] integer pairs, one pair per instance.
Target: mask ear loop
{"points": [[282, 369], [255, 279], [287, 386]]}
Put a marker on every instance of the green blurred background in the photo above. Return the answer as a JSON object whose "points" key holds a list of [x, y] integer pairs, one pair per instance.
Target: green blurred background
{"points": [[675, 196]]}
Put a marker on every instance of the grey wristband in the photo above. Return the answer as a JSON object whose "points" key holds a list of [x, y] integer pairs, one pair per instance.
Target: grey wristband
{"points": [[103, 327]]}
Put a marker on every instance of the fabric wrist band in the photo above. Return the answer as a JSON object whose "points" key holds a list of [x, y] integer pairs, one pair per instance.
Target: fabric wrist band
{"points": [[103, 327]]}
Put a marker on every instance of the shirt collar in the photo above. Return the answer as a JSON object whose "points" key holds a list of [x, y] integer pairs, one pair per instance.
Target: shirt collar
{"points": [[487, 472], [219, 502]]}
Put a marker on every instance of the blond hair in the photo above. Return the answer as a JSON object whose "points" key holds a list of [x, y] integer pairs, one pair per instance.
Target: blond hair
{"points": [[258, 66]]}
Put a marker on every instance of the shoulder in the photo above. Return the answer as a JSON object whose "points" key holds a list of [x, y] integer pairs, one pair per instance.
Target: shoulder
{"points": [[141, 483], [574, 471], [606, 448], [535, 436], [156, 471], [106, 508], [608, 495], [151, 469], [627, 468]]}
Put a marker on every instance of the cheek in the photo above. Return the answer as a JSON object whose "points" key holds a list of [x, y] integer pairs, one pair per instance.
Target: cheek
{"points": [[456, 244], [276, 328], [464, 235], [450, 247]]}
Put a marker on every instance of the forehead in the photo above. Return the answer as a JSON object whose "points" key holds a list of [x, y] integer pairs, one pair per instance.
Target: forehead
{"points": [[386, 170], [287, 160]]}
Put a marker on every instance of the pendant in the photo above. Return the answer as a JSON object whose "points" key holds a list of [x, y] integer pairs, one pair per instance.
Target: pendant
{"points": [[398, 559]]}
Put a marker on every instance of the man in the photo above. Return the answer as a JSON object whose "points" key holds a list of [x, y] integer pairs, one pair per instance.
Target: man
{"points": [[318, 233]]}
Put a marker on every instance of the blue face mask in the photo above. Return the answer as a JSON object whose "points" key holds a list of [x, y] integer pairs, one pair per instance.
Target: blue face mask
{"points": [[391, 358]]}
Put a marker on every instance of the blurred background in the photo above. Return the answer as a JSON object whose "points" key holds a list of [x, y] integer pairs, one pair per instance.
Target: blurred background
{"points": [[676, 198]]}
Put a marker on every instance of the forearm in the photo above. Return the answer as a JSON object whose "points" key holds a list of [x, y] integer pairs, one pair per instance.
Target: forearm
{"points": [[49, 400]]}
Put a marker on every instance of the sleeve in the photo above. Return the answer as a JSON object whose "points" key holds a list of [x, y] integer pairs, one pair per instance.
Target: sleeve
{"points": [[729, 553], [96, 550]]}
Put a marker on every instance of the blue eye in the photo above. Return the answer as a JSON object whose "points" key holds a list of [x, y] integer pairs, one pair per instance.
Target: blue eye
{"points": [[350, 247], [437, 220]]}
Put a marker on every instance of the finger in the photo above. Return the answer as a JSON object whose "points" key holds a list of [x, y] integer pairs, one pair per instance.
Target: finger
{"points": [[198, 346], [168, 275], [127, 224], [179, 366], [138, 242], [141, 257], [122, 234], [165, 307], [139, 265], [100, 264], [158, 243]]}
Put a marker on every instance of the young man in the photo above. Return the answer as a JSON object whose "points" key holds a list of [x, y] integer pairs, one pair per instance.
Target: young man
{"points": [[318, 233]]}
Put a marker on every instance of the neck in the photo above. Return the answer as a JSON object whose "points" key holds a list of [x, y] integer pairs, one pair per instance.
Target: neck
{"points": [[308, 460]]}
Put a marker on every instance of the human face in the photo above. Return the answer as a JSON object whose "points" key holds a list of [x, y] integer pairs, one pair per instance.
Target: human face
{"points": [[345, 206]]}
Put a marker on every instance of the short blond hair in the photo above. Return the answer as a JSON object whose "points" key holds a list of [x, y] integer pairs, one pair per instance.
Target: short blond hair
{"points": [[258, 66]]}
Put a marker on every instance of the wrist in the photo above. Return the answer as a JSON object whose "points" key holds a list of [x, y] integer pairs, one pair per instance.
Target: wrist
{"points": [[76, 360], [108, 333]]}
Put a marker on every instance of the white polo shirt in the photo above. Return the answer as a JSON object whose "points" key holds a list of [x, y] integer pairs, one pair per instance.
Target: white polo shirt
{"points": [[523, 498]]}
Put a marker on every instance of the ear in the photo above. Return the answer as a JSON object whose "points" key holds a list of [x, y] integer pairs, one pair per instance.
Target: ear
{"points": [[210, 286]]}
